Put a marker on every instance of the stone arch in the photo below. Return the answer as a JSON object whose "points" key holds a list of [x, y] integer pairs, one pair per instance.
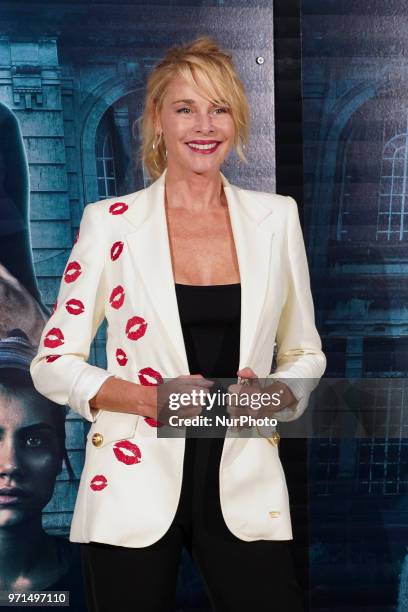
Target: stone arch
{"points": [[95, 106], [336, 123]]}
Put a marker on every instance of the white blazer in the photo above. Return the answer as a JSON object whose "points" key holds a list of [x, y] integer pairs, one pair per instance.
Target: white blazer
{"points": [[120, 268]]}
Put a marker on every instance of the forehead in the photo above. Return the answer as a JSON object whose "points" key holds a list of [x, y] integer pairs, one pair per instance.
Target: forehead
{"points": [[180, 89], [17, 412]]}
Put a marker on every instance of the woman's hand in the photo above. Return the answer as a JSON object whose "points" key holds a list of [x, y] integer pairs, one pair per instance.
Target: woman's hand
{"points": [[167, 394], [278, 389]]}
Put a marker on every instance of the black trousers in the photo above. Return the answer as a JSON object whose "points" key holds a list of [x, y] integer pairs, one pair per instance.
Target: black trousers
{"points": [[238, 575]]}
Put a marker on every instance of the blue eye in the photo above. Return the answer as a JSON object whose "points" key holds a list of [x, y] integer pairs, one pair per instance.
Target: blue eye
{"points": [[217, 111]]}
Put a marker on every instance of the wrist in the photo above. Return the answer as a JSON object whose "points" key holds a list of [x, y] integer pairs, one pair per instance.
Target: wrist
{"points": [[282, 390], [147, 400]]}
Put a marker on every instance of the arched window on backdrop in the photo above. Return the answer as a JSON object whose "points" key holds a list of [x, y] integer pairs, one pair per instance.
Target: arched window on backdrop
{"points": [[119, 171], [371, 174], [105, 157], [356, 176], [392, 218]]}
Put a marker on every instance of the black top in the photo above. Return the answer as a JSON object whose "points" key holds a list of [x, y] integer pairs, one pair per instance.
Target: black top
{"points": [[210, 317]]}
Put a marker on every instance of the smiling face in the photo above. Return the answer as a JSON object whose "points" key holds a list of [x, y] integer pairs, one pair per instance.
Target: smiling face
{"points": [[198, 134], [30, 457]]}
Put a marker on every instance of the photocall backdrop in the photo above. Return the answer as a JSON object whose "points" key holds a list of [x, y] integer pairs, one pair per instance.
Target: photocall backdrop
{"points": [[71, 88], [354, 89]]}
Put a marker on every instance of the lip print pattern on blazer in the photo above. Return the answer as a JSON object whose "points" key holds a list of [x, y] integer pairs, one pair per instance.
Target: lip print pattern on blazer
{"points": [[120, 268]]}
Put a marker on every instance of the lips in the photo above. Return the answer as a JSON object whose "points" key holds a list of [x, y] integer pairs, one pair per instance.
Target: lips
{"points": [[152, 422], [98, 482], [54, 338], [127, 452], [9, 496], [204, 147], [150, 377], [117, 297], [51, 358], [116, 250], [72, 271], [121, 357], [10, 500], [74, 306], [136, 327], [118, 208]]}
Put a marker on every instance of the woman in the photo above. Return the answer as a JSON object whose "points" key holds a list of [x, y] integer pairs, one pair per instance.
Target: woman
{"points": [[32, 451], [196, 278]]}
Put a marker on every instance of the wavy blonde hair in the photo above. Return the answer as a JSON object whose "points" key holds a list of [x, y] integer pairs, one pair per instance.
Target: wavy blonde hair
{"points": [[210, 71]]}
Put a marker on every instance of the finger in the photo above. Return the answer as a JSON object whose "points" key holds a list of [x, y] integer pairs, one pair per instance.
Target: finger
{"points": [[235, 388], [246, 373], [200, 394], [189, 412], [198, 378]]}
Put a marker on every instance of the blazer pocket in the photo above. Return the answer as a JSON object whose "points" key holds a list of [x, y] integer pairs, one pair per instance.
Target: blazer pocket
{"points": [[111, 427]]}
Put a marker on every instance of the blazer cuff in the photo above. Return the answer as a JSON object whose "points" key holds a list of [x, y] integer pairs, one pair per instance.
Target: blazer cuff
{"points": [[85, 386]]}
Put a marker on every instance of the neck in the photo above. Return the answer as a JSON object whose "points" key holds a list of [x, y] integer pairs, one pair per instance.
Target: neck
{"points": [[193, 191], [22, 547]]}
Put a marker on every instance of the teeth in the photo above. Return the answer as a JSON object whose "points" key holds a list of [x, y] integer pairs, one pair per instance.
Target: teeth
{"points": [[200, 146]]}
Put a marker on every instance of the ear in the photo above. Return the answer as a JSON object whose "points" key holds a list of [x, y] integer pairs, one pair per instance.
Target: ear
{"points": [[157, 127], [156, 117]]}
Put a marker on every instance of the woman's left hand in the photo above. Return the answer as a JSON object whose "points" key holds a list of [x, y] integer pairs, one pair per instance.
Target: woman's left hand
{"points": [[277, 389]]}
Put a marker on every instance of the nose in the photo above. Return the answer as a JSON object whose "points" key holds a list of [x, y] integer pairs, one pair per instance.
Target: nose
{"points": [[8, 457], [204, 123]]}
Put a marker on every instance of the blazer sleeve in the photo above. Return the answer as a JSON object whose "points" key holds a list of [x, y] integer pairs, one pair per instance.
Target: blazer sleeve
{"points": [[300, 360], [60, 370]]}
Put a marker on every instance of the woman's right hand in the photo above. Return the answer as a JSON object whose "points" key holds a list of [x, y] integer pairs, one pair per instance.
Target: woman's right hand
{"points": [[168, 394]]}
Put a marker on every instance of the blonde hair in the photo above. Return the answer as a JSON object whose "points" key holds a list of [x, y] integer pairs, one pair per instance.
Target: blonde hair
{"points": [[210, 71]]}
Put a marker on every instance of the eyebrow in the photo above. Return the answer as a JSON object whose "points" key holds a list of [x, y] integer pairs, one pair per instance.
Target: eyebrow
{"points": [[188, 101], [185, 101], [34, 427]]}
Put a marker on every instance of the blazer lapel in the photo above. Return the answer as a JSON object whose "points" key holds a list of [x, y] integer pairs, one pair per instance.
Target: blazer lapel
{"points": [[253, 237], [149, 249]]}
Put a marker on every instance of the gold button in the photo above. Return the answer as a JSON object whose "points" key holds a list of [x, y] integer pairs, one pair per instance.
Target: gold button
{"points": [[274, 438], [97, 439], [274, 513]]}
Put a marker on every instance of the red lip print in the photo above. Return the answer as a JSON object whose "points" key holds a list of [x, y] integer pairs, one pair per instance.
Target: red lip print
{"points": [[50, 358], [117, 297], [76, 237], [54, 338], [131, 455], [135, 334], [121, 357], [116, 250], [54, 307], [98, 482], [75, 307], [152, 422], [118, 208], [72, 271], [146, 374]]}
